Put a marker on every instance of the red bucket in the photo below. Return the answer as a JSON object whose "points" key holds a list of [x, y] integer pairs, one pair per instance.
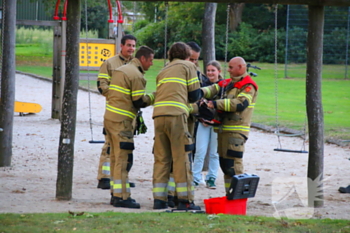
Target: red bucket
{"points": [[220, 205]]}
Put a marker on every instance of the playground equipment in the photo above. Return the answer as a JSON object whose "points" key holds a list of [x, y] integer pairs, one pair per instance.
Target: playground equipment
{"points": [[93, 52], [25, 107], [278, 130]]}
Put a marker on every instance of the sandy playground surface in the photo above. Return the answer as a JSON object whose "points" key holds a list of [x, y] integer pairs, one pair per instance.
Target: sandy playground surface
{"points": [[28, 186]]}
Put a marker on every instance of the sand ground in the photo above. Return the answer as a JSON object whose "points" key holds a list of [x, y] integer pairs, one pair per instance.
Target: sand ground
{"points": [[29, 185]]}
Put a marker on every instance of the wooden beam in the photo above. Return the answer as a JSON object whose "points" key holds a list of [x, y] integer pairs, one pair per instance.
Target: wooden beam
{"points": [[282, 2], [38, 23], [314, 105], [56, 73]]}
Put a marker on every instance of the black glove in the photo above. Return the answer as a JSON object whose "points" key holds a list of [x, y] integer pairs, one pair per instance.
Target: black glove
{"points": [[205, 112], [207, 115], [140, 127]]}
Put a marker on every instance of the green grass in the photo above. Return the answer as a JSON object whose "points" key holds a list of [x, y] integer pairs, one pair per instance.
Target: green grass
{"points": [[290, 93], [163, 222]]}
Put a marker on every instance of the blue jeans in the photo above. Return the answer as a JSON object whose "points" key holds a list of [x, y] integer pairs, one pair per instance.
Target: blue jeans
{"points": [[206, 141]]}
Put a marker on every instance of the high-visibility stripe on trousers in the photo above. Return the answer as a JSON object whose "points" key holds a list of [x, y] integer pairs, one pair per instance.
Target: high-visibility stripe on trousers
{"points": [[121, 139], [172, 146], [171, 185], [104, 164]]}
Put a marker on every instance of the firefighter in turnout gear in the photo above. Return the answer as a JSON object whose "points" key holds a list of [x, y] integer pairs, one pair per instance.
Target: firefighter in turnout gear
{"points": [[177, 86], [237, 97], [126, 96], [128, 43], [191, 121]]}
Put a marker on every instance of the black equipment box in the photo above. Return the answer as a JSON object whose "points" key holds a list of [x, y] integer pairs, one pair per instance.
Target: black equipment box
{"points": [[243, 186]]}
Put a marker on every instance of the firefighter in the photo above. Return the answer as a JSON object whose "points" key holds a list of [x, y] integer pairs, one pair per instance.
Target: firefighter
{"points": [[126, 96], [127, 49], [177, 86], [191, 122], [235, 106]]}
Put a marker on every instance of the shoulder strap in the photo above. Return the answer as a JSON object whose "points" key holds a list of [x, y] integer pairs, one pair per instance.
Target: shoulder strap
{"points": [[246, 80]]}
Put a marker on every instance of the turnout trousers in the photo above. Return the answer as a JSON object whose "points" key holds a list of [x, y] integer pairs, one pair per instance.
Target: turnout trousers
{"points": [[121, 137], [172, 147], [104, 165], [231, 148], [191, 124]]}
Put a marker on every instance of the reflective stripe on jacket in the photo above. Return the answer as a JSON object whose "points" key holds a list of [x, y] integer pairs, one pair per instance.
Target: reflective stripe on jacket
{"points": [[106, 69], [174, 83], [127, 85], [237, 104]]}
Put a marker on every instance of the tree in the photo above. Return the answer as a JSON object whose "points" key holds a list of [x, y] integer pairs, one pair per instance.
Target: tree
{"points": [[8, 73], [97, 14], [154, 11], [97, 19], [208, 33], [236, 11], [69, 105]]}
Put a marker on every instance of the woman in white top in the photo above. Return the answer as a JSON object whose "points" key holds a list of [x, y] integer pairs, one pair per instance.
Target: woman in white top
{"points": [[206, 139]]}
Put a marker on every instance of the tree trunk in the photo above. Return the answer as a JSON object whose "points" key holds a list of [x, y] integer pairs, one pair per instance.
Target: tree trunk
{"points": [[314, 105], [236, 11], [208, 33], [8, 77], [69, 105]]}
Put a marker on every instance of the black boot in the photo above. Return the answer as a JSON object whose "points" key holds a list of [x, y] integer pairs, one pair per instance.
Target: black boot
{"points": [[186, 205], [344, 190], [112, 199], [172, 201], [104, 183], [159, 204], [128, 203]]}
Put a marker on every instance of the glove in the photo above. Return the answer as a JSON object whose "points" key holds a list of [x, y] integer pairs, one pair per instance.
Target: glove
{"points": [[140, 127], [205, 113], [224, 83]]}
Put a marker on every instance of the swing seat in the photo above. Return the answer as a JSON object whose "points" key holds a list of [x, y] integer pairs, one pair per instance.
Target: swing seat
{"points": [[96, 142], [292, 151], [289, 135]]}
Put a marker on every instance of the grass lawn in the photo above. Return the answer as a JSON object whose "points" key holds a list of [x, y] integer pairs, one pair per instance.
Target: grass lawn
{"points": [[290, 96], [163, 222], [289, 93]]}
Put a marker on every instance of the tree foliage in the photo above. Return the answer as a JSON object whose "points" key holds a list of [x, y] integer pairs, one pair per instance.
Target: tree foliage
{"points": [[97, 12], [97, 19]]}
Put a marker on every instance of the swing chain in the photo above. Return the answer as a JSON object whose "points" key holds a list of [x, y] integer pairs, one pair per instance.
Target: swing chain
{"points": [[277, 130], [276, 76], [166, 31], [88, 69], [226, 37]]}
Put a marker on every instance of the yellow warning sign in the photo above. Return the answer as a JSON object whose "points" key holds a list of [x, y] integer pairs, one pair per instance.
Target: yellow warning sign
{"points": [[94, 54]]}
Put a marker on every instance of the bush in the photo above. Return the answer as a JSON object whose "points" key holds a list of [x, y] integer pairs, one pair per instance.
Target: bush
{"points": [[152, 35], [140, 24], [264, 46], [333, 51], [297, 45]]}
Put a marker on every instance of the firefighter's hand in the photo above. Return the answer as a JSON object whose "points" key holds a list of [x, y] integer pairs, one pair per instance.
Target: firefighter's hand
{"points": [[201, 102], [210, 104]]}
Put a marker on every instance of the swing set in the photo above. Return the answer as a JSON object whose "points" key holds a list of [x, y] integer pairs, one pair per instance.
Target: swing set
{"points": [[278, 132]]}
